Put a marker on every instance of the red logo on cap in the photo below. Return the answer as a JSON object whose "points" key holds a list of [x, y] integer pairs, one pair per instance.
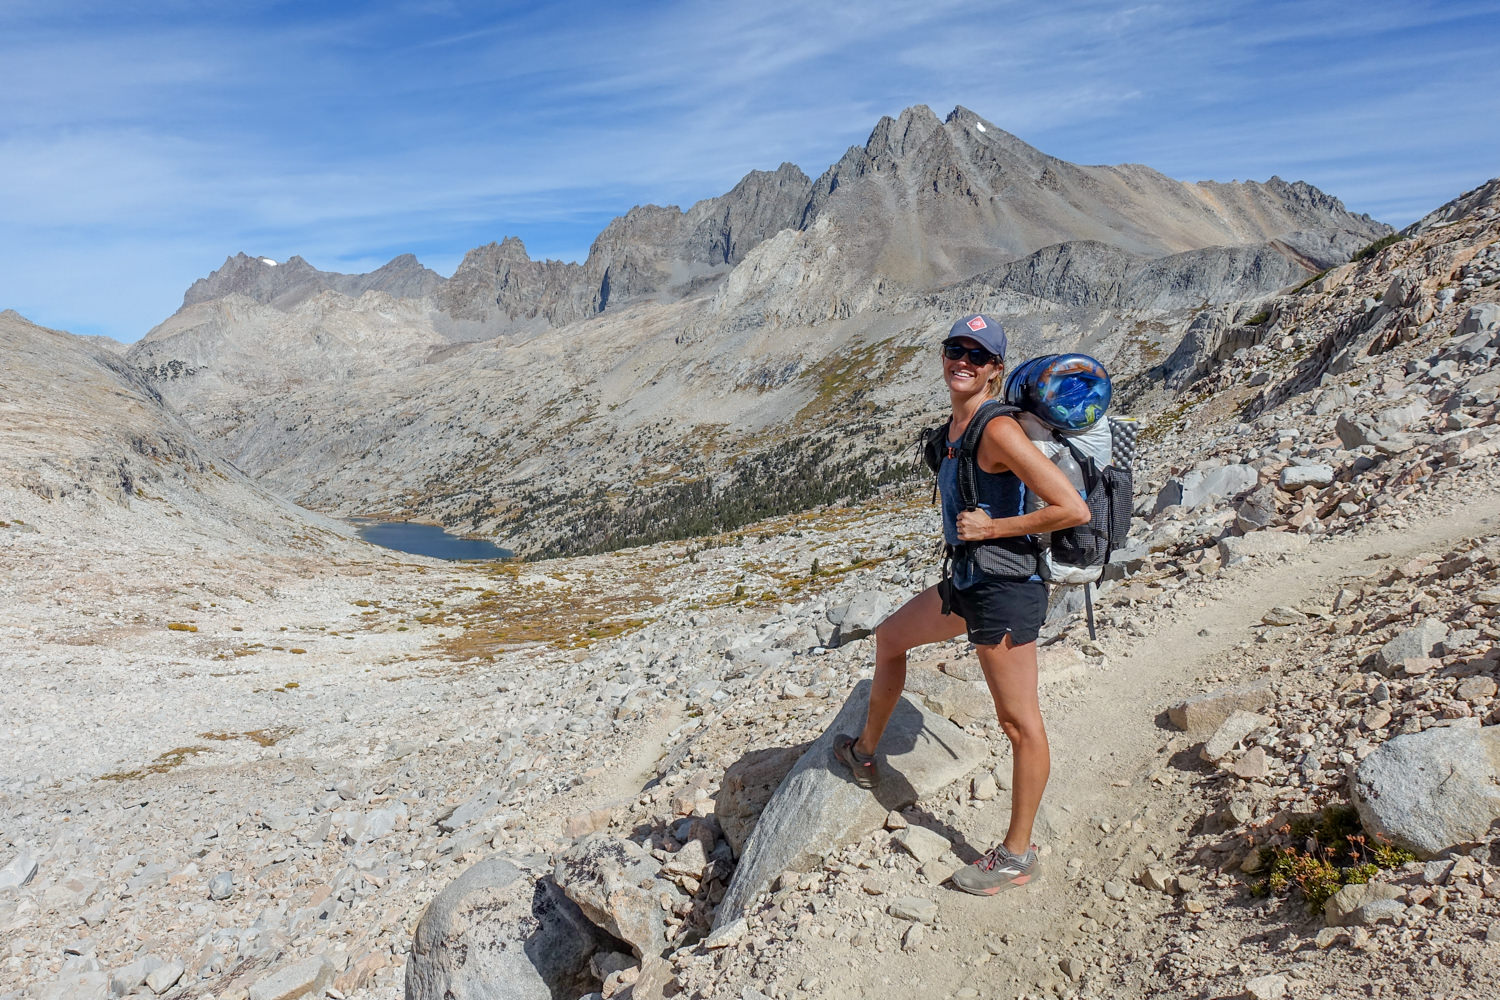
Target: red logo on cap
{"points": [[977, 323]]}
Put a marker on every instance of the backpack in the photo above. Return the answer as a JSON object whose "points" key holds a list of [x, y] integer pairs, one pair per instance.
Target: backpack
{"points": [[1098, 464], [1101, 470]]}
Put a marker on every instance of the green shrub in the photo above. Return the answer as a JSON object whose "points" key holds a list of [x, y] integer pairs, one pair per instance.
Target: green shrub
{"points": [[1330, 851], [1309, 281], [1376, 247]]}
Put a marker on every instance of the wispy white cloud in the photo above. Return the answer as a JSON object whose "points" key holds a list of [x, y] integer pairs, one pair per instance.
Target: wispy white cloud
{"points": [[173, 134]]}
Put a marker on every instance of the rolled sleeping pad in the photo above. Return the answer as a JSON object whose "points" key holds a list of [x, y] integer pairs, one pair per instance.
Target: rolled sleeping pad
{"points": [[1067, 392]]}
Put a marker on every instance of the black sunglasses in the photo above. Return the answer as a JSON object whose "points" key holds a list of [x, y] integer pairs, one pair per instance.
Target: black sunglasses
{"points": [[978, 356]]}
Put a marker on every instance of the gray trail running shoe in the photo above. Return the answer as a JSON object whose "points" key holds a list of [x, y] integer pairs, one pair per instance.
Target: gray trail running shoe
{"points": [[998, 869]]}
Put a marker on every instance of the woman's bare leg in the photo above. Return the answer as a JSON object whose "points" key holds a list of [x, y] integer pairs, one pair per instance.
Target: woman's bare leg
{"points": [[916, 623], [1011, 673]]}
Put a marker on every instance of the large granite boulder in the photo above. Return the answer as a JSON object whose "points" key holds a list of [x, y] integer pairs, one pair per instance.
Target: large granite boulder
{"points": [[818, 809], [497, 933], [1433, 790], [615, 882], [1203, 485], [748, 785]]}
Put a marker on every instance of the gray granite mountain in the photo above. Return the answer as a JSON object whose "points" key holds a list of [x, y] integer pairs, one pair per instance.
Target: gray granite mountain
{"points": [[741, 338], [284, 285], [922, 204], [650, 252], [88, 446], [948, 199]]}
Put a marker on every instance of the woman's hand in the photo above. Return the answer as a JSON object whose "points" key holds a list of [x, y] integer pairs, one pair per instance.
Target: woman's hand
{"points": [[975, 525]]}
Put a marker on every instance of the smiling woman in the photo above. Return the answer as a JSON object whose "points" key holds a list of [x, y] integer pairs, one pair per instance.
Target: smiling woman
{"points": [[990, 588]]}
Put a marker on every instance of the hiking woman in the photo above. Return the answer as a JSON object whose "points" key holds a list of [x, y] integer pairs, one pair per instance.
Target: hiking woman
{"points": [[993, 593]]}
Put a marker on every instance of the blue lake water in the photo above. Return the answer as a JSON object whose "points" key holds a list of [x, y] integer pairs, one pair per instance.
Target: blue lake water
{"points": [[425, 540]]}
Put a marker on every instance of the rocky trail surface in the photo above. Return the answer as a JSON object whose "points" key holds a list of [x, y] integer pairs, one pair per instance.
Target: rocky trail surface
{"points": [[245, 754]]}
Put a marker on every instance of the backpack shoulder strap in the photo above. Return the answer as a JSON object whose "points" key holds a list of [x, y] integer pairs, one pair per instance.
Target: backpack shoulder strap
{"points": [[968, 450]]}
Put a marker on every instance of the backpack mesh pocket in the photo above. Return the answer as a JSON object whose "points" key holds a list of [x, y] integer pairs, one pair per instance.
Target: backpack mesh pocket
{"points": [[1119, 487]]}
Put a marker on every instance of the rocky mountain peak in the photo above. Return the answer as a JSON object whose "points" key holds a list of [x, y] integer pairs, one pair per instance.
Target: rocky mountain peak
{"points": [[284, 285], [894, 139], [511, 248], [1308, 198], [924, 203], [402, 276]]}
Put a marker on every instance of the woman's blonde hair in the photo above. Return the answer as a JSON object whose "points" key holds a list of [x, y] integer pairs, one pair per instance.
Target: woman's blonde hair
{"points": [[996, 386]]}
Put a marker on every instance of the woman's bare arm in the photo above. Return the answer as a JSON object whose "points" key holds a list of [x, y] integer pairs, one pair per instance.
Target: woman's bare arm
{"points": [[1005, 446]]}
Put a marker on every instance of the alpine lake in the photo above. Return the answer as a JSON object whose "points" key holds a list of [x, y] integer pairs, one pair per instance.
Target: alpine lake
{"points": [[425, 540]]}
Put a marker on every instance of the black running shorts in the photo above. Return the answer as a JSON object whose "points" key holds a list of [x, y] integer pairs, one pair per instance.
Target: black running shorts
{"points": [[993, 606]]}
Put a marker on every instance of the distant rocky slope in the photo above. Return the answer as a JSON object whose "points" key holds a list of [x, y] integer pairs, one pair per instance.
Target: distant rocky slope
{"points": [[763, 350], [86, 447]]}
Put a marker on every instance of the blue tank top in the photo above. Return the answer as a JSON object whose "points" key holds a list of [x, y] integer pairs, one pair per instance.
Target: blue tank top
{"points": [[1002, 495]]}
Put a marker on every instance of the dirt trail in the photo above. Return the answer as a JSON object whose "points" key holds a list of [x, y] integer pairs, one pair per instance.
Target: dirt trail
{"points": [[1102, 806]]}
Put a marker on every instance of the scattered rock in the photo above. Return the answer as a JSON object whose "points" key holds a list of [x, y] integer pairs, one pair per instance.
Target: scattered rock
{"points": [[1252, 765], [922, 843], [131, 977], [1283, 616], [1229, 734], [913, 908], [1272, 987], [1256, 511], [1414, 642], [305, 978], [1200, 486], [18, 872], [497, 932], [688, 862], [1377, 910], [221, 886], [1295, 477], [860, 616], [1433, 790], [1341, 906], [728, 936], [1236, 551], [614, 883], [161, 979], [1157, 880], [1473, 689], [1483, 318], [1206, 712]]}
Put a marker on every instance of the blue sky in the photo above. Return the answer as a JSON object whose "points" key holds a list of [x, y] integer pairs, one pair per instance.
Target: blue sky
{"points": [[143, 142]]}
